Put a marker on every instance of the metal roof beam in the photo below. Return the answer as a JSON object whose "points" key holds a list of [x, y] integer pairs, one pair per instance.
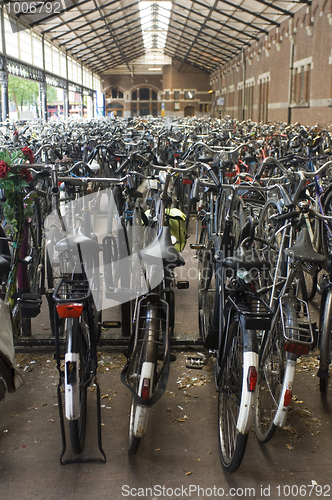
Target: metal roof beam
{"points": [[248, 11], [52, 16], [103, 28], [199, 32], [222, 57], [94, 20], [253, 37], [276, 7], [231, 16], [171, 30]]}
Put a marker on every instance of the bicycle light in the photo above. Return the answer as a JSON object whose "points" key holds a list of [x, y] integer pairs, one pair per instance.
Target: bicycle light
{"points": [[69, 310]]}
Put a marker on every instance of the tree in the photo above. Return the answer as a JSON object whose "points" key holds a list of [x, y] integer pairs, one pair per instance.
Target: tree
{"points": [[26, 92]]}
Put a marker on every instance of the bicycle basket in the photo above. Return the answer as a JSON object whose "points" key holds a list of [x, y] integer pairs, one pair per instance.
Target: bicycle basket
{"points": [[256, 313]]}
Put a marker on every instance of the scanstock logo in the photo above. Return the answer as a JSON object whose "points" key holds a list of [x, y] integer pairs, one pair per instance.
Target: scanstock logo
{"points": [[33, 11], [88, 237]]}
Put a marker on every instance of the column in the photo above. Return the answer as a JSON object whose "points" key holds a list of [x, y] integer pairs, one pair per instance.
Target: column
{"points": [[43, 93], [65, 103], [4, 95]]}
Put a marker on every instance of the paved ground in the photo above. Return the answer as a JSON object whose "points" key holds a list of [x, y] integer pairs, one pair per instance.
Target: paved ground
{"points": [[178, 457]]}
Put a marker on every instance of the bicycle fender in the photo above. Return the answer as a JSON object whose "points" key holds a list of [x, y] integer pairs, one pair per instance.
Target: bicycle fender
{"points": [[248, 399]]}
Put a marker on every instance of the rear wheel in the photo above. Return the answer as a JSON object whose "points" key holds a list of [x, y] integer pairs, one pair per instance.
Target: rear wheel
{"points": [[144, 372], [76, 345], [232, 443], [208, 298]]}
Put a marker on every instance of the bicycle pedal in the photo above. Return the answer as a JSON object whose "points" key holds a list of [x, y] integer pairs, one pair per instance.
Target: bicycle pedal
{"points": [[182, 285], [197, 362], [111, 324], [197, 246]]}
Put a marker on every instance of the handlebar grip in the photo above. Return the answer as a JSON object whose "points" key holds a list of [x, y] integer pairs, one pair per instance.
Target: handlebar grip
{"points": [[122, 166], [280, 218]]}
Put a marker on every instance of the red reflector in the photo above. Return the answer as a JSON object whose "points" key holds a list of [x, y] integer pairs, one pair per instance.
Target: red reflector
{"points": [[252, 378], [69, 310], [287, 397], [297, 349], [176, 155], [186, 181], [117, 158], [146, 388], [230, 174]]}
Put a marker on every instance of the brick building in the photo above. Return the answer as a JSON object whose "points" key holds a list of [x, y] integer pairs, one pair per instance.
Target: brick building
{"points": [[285, 76]]}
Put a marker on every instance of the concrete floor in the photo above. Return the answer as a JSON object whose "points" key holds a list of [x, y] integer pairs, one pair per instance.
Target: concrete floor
{"points": [[179, 456]]}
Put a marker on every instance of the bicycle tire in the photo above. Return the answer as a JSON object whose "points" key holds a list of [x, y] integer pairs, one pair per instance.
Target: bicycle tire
{"points": [[208, 297], [232, 443], [34, 275], [270, 382], [325, 344], [75, 343], [146, 358]]}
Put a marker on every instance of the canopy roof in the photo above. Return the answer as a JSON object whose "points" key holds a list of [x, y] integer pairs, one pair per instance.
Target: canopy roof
{"points": [[104, 34]]}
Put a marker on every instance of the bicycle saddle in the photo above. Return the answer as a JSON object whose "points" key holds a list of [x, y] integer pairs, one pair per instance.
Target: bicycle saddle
{"points": [[245, 259], [78, 238], [162, 248], [302, 249]]}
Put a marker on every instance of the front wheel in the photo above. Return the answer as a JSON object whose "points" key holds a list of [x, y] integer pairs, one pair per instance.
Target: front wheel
{"points": [[325, 344]]}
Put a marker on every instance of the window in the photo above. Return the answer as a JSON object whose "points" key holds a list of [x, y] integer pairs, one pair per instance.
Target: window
{"points": [[167, 95], [120, 94], [154, 95], [25, 46], [37, 51], [176, 106], [301, 81], [114, 93], [134, 96], [263, 89], [176, 95], [189, 94], [144, 94]]}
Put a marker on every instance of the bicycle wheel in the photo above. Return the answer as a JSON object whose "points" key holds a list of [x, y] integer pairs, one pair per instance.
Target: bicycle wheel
{"points": [[325, 343], [232, 443], [208, 297], [75, 383], [31, 276], [144, 375], [270, 383]]}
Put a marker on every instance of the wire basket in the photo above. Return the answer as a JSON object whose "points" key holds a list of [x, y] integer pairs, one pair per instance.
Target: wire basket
{"points": [[256, 313], [72, 290]]}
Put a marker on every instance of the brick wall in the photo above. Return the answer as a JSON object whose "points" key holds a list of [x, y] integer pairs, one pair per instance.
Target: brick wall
{"points": [[170, 86], [265, 67]]}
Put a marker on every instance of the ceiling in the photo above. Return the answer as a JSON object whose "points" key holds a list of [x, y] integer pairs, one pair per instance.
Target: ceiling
{"points": [[105, 34]]}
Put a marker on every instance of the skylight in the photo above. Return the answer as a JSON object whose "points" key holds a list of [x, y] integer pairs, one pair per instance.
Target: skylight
{"points": [[155, 19]]}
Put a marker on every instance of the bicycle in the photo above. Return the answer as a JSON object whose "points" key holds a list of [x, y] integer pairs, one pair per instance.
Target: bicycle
{"points": [[148, 356]]}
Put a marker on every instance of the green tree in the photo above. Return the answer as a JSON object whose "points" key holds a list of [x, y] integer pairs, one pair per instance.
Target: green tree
{"points": [[25, 92]]}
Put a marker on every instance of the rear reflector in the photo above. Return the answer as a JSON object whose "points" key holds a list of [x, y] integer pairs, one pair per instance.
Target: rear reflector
{"points": [[186, 181], [69, 310], [229, 174], [287, 397], [297, 349], [146, 388], [252, 378]]}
